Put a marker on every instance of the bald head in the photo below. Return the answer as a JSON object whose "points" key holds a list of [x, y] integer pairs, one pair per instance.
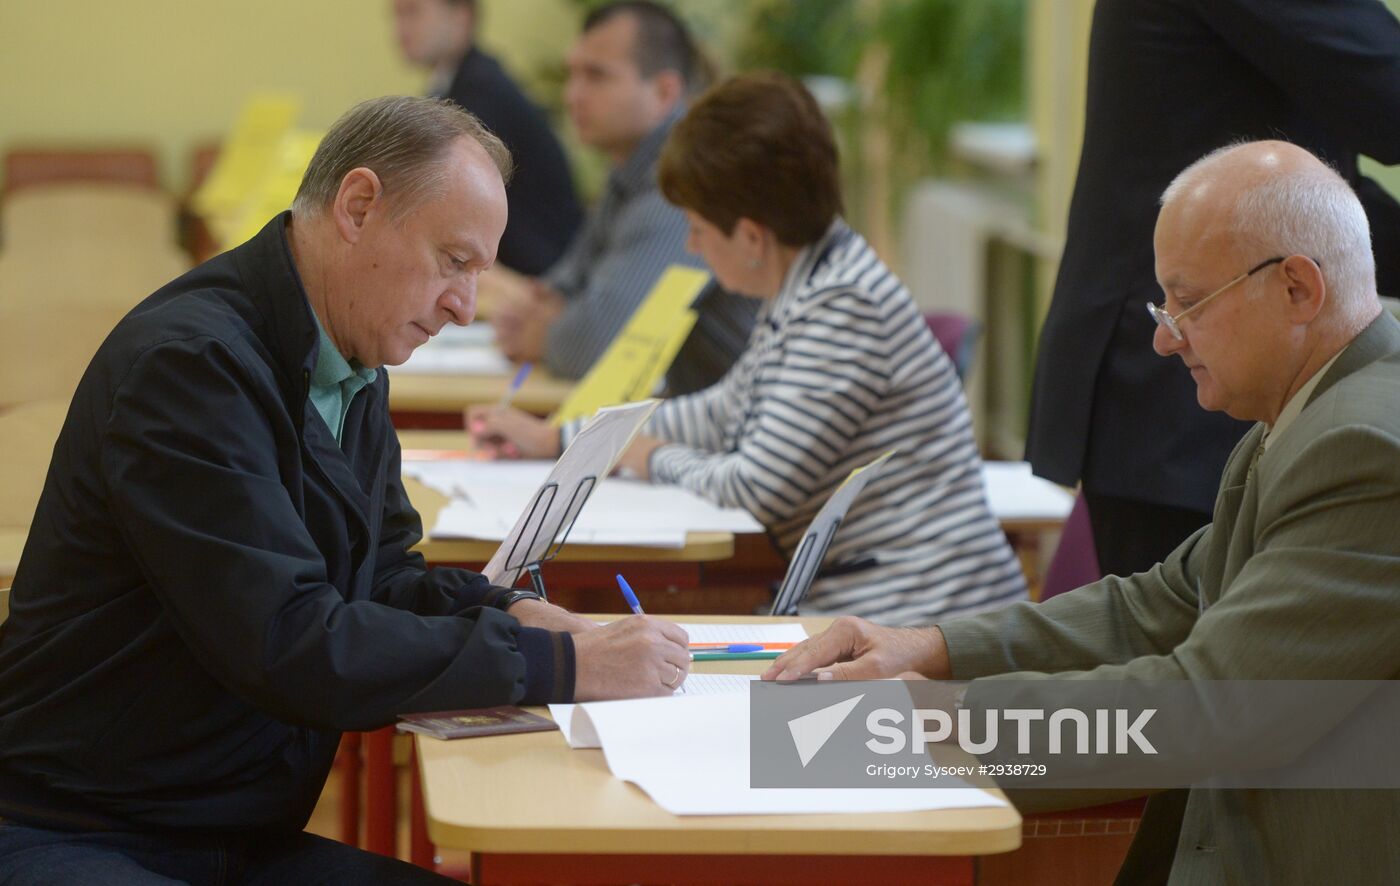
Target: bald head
{"points": [[1264, 256], [1263, 199]]}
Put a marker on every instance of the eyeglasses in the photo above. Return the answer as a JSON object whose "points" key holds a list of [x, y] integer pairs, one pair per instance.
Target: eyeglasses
{"points": [[1167, 320]]}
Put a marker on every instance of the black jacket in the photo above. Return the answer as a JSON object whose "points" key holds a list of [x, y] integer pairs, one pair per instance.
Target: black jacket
{"points": [[212, 588], [1169, 81], [544, 211]]}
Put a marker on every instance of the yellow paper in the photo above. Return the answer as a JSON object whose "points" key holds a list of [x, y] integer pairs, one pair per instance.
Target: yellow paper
{"points": [[640, 355], [274, 192], [247, 153]]}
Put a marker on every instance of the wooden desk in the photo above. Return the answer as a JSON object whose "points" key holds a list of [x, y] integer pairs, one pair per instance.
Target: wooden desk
{"points": [[531, 809], [735, 571], [437, 401], [667, 579], [699, 546]]}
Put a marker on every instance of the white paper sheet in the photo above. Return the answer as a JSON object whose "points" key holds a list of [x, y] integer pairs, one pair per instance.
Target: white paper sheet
{"points": [[460, 519], [1015, 493], [487, 497], [695, 684], [581, 470], [692, 757], [789, 632]]}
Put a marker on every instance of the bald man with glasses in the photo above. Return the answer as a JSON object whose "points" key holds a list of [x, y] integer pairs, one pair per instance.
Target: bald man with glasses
{"points": [[1295, 578]]}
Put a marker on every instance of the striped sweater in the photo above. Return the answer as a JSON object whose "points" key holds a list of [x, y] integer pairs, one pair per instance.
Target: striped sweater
{"points": [[840, 368]]}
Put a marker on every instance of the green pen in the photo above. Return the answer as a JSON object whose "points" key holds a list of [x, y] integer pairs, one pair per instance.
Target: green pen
{"points": [[756, 655]]}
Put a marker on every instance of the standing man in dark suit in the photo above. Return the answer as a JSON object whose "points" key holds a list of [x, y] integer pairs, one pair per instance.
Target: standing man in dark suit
{"points": [[1170, 80], [544, 211]]}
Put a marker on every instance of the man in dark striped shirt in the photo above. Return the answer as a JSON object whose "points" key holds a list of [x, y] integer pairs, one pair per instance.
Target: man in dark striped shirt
{"points": [[629, 75]]}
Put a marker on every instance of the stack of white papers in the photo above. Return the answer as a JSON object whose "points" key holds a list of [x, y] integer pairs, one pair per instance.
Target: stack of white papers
{"points": [[691, 755], [458, 350], [701, 684], [690, 750], [488, 497], [706, 632], [695, 684]]}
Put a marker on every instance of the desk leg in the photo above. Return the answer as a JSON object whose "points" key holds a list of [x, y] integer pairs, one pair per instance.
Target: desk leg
{"points": [[498, 869], [381, 793], [420, 849], [348, 769]]}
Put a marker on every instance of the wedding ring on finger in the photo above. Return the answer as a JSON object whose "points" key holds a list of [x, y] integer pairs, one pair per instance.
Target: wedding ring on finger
{"points": [[675, 679]]}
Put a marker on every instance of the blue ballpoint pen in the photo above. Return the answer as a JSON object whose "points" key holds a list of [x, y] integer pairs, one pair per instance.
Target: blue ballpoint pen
{"points": [[515, 385], [630, 597]]}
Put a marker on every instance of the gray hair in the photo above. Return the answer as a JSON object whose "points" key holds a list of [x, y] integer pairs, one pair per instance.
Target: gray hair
{"points": [[1312, 212], [403, 140]]}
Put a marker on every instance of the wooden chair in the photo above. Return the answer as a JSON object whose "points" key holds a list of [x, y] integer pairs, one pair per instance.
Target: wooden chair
{"points": [[1076, 562], [195, 235], [45, 346], [67, 219], [29, 167], [29, 432]]}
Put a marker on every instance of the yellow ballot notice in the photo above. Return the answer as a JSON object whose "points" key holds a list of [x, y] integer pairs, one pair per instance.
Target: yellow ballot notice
{"points": [[643, 351], [246, 155], [274, 191]]}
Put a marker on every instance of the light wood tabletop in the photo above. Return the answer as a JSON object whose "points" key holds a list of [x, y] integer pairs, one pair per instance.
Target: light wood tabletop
{"points": [[541, 393], [531, 793]]}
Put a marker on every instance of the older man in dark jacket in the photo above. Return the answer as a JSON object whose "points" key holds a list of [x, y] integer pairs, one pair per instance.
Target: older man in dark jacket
{"points": [[219, 578]]}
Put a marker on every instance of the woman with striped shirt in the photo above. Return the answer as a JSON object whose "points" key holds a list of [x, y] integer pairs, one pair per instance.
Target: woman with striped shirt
{"points": [[839, 369]]}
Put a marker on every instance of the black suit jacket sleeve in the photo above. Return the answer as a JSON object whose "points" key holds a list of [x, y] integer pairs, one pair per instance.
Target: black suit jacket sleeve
{"points": [[402, 579], [189, 460]]}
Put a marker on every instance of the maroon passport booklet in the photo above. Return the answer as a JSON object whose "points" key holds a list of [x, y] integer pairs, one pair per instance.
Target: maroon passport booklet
{"points": [[470, 724]]}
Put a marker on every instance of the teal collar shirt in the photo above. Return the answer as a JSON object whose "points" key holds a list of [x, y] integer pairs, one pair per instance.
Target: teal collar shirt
{"points": [[335, 381]]}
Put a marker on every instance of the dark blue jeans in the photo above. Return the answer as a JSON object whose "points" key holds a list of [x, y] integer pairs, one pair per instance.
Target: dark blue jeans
{"points": [[38, 857]]}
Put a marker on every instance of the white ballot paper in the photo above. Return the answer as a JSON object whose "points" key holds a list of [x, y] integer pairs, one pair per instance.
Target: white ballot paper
{"points": [[487, 497], [695, 684], [586, 463], [807, 559], [720, 632], [691, 755]]}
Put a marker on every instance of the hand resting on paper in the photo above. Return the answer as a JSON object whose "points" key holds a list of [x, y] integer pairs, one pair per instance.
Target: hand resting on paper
{"points": [[633, 657], [510, 433], [539, 614], [856, 649]]}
